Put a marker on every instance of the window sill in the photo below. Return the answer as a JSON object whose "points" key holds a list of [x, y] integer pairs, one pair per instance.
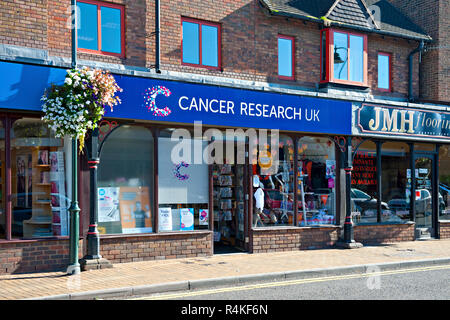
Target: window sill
{"points": [[386, 223], [2, 241], [279, 228], [160, 234]]}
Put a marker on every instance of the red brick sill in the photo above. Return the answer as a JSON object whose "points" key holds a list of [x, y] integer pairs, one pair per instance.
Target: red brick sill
{"points": [[284, 228], [156, 235], [4, 241]]}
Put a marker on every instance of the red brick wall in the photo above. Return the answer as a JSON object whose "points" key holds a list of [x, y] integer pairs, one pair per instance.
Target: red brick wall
{"points": [[24, 23], [383, 233], [444, 230], [432, 16], [249, 38], [156, 246], [289, 239], [34, 256]]}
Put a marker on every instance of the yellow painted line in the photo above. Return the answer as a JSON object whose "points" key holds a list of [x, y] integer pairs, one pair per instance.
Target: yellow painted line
{"points": [[291, 282]]}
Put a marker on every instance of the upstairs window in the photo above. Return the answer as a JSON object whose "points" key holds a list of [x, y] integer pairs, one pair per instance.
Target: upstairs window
{"points": [[384, 71], [344, 57], [101, 28], [200, 43], [286, 51]]}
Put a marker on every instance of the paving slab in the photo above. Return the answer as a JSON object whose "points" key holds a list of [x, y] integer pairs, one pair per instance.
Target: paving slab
{"points": [[128, 279]]}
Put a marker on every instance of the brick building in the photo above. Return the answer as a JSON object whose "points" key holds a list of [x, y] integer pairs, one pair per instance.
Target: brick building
{"points": [[317, 77]]}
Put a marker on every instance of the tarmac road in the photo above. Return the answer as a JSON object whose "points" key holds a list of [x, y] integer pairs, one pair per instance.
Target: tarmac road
{"points": [[424, 283]]}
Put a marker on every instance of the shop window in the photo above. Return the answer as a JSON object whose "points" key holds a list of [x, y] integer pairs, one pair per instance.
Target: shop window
{"points": [[396, 182], [101, 28], [125, 182], [2, 183], [273, 184], [183, 184], [200, 43], [316, 181], [38, 179], [364, 199], [344, 57], [286, 51], [444, 183], [384, 71]]}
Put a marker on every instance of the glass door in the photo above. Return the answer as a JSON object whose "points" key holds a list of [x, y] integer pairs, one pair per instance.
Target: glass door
{"points": [[424, 195]]}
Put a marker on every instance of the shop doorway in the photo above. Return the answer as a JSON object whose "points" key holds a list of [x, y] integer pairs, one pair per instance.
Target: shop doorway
{"points": [[424, 195], [230, 185]]}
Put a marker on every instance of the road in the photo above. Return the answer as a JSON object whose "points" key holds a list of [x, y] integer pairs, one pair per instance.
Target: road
{"points": [[426, 283]]}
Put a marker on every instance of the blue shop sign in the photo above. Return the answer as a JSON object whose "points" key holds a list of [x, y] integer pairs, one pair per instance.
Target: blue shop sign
{"points": [[180, 102]]}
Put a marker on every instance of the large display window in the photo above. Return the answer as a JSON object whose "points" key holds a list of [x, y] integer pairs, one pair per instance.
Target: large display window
{"points": [[183, 184], [273, 184], [396, 181], [316, 181], [364, 194], [125, 182], [38, 181], [2, 183], [444, 182]]}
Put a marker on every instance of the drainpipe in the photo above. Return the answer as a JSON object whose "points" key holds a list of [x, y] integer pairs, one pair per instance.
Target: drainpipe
{"points": [[157, 38], [419, 50]]}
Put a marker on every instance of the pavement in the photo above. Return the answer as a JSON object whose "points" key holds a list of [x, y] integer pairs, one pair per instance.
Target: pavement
{"points": [[126, 280]]}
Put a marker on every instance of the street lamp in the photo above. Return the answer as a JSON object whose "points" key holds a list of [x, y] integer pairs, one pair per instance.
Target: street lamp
{"points": [[74, 266]]}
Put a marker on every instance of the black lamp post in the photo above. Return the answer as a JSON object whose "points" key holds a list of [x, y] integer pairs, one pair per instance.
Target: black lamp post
{"points": [[93, 260], [74, 266], [348, 240]]}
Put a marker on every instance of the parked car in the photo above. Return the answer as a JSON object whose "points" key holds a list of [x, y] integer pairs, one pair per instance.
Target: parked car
{"points": [[363, 202], [422, 202]]}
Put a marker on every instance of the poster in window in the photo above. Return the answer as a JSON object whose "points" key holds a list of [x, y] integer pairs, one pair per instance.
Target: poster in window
{"points": [[203, 217], [135, 213], [165, 219], [186, 219], [183, 182], [43, 157], [108, 204], [21, 180]]}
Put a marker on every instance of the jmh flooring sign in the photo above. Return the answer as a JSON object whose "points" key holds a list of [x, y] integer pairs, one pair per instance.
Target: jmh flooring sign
{"points": [[406, 122], [180, 102]]}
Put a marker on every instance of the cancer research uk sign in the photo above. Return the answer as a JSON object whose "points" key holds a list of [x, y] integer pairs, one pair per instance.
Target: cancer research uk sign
{"points": [[179, 102]]}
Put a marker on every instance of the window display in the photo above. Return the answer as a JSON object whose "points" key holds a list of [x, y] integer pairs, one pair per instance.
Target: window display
{"points": [[2, 183], [316, 181], [125, 182], [396, 181], [364, 200], [183, 189], [273, 184], [39, 201], [444, 183]]}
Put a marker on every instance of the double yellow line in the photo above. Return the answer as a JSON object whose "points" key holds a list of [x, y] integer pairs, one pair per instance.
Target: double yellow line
{"points": [[290, 282]]}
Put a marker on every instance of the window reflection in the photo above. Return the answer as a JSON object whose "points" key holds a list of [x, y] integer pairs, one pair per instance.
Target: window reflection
{"points": [[364, 199], [356, 58], [210, 51], [340, 56], [125, 182], [316, 181], [396, 181], [191, 50], [444, 183], [88, 28], [111, 30]]}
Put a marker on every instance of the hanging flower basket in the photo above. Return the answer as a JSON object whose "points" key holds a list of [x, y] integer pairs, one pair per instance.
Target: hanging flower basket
{"points": [[79, 104]]}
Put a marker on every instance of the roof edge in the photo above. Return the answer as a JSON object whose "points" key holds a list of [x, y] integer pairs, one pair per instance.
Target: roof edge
{"points": [[324, 20]]}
